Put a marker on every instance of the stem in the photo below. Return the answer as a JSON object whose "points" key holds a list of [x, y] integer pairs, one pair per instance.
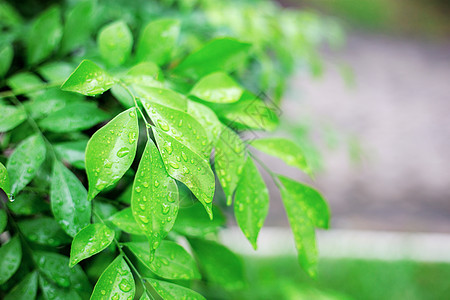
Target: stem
{"points": [[264, 166], [36, 88]]}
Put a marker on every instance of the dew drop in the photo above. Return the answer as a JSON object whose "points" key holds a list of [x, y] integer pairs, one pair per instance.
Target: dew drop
{"points": [[137, 189], [163, 125], [123, 152]]}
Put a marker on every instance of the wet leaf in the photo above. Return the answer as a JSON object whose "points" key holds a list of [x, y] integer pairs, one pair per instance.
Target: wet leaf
{"points": [[188, 167], [25, 161], [161, 96], [26, 289], [115, 42], [110, 151], [90, 241], [154, 201], [251, 202], [157, 41], [116, 282], [125, 221], [217, 87], [229, 159], [10, 258], [207, 118], [28, 203], [44, 231], [5, 184], [88, 79], [284, 149], [55, 292], [171, 291], [192, 221]]}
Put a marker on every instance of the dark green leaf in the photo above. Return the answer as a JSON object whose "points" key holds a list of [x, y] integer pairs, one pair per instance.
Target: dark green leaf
{"points": [[217, 87], [223, 54], [116, 282], [192, 221], [10, 258], [221, 266], [69, 201], [3, 220], [90, 241], [26, 289], [77, 25], [72, 152], [154, 201], [188, 167], [125, 221], [6, 57], [284, 149], [28, 203], [171, 291], [5, 184], [88, 79], [52, 291], [115, 42], [25, 161], [110, 151], [157, 41], [11, 117], [44, 231], [44, 36]]}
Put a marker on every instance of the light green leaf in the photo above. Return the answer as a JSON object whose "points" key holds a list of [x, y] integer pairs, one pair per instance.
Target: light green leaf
{"points": [[116, 282], [111, 151], [10, 258], [251, 203], [180, 126], [146, 74], [299, 211], [207, 118], [43, 231], [170, 261], [229, 159], [171, 291], [122, 95], [69, 201], [52, 291], [221, 266], [6, 57], [223, 54], [26, 81], [26, 289], [55, 71], [188, 167], [25, 161], [115, 42], [65, 120], [125, 221], [72, 152], [284, 149], [44, 36], [90, 241], [157, 41], [77, 25], [5, 184], [164, 97], [217, 87], [11, 117], [154, 201], [3, 220], [28, 203], [192, 221], [88, 79]]}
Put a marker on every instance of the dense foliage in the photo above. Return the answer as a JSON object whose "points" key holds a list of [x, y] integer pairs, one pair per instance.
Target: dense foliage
{"points": [[144, 103]]}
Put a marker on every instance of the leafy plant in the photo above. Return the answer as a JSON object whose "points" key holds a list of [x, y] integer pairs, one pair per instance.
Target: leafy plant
{"points": [[137, 122]]}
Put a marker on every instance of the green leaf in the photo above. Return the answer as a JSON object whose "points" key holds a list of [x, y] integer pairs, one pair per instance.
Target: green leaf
{"points": [[10, 258], [302, 215], [157, 41], [90, 241], [164, 97], [188, 167], [125, 221], [65, 120], [170, 261], [52, 291], [207, 119], [6, 57], [88, 79], [72, 152], [11, 117], [44, 36], [217, 87], [229, 159], [146, 74], [25, 161], [251, 202], [28, 203], [69, 201], [26, 289], [56, 70], [171, 291], [116, 282], [3, 220], [180, 126], [111, 151], [192, 221], [115, 42], [77, 25], [284, 149], [221, 266], [5, 184], [26, 81], [223, 54], [154, 201], [43, 231]]}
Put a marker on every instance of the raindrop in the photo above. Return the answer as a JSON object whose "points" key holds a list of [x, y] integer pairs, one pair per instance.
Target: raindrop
{"points": [[123, 152]]}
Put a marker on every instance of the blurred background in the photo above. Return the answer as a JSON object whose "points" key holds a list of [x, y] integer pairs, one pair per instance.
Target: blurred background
{"points": [[378, 111]]}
